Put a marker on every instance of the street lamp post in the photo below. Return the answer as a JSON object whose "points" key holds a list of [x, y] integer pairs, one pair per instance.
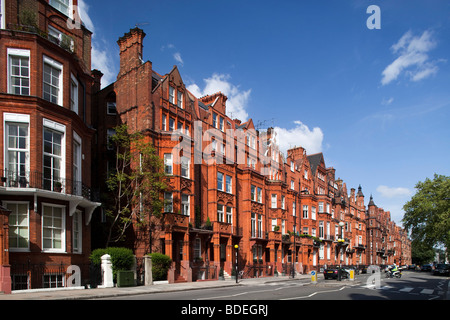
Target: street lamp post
{"points": [[236, 247], [341, 224], [293, 256]]}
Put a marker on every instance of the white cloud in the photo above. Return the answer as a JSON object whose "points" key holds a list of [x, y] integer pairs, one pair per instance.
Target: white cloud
{"points": [[237, 99], [300, 136], [388, 192], [101, 56], [387, 102], [177, 57], [83, 9], [413, 58]]}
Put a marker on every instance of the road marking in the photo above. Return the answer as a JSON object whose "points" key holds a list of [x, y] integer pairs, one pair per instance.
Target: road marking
{"points": [[407, 289], [313, 294], [427, 291], [244, 293]]}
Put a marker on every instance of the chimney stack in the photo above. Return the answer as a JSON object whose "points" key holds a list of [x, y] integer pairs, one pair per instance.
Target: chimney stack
{"points": [[131, 48]]}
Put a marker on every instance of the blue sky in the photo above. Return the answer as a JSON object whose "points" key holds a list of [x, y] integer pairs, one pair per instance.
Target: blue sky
{"points": [[376, 102]]}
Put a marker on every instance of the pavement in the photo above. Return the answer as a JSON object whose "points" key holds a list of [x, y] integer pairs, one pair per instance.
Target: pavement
{"points": [[80, 293]]}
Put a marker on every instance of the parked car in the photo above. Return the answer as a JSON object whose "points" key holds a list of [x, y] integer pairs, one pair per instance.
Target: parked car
{"points": [[333, 273], [412, 267], [442, 269], [426, 268]]}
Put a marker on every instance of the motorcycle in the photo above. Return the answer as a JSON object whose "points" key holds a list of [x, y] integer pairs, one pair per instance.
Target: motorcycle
{"points": [[397, 274]]}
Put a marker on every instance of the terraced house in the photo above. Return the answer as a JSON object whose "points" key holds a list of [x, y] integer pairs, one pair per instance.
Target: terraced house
{"points": [[229, 185], [231, 192], [45, 165]]}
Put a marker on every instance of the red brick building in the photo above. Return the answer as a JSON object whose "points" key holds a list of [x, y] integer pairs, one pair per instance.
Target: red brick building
{"points": [[228, 183], [45, 166]]}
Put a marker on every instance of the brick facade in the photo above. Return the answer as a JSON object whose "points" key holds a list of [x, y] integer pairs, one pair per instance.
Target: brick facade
{"points": [[282, 212], [46, 129]]}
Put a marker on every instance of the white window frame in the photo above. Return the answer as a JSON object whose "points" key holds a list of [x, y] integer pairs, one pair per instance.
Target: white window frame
{"points": [[260, 226], [171, 95], [74, 105], [220, 212], [185, 166], [185, 204], [55, 65], [168, 164], [19, 249], [305, 212], [77, 232], [220, 182], [294, 209], [15, 118], [77, 164], [20, 53], [61, 129], [54, 4], [2, 14], [164, 122], [63, 229], [228, 184], [59, 37], [229, 213], [274, 224], [259, 194], [283, 202], [180, 99], [214, 118], [273, 201], [313, 213], [253, 225]]}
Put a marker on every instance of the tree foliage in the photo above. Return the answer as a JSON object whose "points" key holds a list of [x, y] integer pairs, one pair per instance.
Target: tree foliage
{"points": [[134, 184], [427, 214]]}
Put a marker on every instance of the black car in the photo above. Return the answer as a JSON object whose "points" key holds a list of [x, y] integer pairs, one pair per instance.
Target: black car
{"points": [[333, 273], [426, 268], [442, 269]]}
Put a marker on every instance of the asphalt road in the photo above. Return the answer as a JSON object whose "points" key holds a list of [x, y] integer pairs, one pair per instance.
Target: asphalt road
{"points": [[412, 286]]}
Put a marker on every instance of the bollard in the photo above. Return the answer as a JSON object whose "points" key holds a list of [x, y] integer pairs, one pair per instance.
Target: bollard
{"points": [[148, 277], [313, 277], [352, 275], [107, 274]]}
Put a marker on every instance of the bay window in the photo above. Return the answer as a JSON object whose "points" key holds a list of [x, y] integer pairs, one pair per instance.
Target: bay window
{"points": [[17, 149], [52, 85], [18, 71], [18, 226], [53, 228]]}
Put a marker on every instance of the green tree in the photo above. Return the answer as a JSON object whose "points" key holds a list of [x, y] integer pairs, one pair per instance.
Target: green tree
{"points": [[427, 214], [134, 185]]}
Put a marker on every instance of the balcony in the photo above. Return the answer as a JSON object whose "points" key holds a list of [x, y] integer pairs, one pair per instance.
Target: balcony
{"points": [[37, 180], [177, 221], [41, 185], [65, 42], [274, 236]]}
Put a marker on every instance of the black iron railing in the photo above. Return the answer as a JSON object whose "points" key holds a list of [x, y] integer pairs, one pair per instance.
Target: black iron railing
{"points": [[38, 180]]}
